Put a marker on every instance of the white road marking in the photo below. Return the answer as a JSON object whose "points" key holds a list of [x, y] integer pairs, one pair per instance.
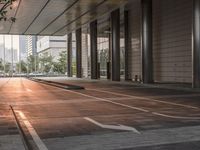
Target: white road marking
{"points": [[28, 90], [175, 96], [176, 117], [113, 127], [145, 98], [105, 100], [124, 105], [32, 132], [55, 101], [119, 98], [129, 140], [6, 116], [132, 107]]}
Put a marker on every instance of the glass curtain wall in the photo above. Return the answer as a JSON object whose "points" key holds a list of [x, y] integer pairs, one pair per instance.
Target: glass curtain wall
{"points": [[122, 45], [2, 56], [89, 52], [73, 54], [103, 46], [8, 55], [85, 52]]}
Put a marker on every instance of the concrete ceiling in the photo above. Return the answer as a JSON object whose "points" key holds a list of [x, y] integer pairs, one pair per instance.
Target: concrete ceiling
{"points": [[54, 17]]}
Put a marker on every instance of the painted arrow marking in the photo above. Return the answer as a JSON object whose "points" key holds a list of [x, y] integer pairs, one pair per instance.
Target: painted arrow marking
{"points": [[113, 127]]}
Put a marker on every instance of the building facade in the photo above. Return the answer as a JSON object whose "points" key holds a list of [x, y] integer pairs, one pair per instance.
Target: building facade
{"points": [[158, 49], [139, 40], [51, 46], [31, 45], [23, 47]]}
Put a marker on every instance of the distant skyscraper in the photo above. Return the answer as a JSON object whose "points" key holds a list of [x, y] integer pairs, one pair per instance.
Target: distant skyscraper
{"points": [[31, 45], [11, 50], [22, 47], [1, 51], [2, 46]]}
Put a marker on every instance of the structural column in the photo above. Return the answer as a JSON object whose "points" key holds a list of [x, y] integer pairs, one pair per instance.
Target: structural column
{"points": [[146, 38], [93, 42], [69, 55], [196, 44], [126, 39], [115, 41], [78, 53]]}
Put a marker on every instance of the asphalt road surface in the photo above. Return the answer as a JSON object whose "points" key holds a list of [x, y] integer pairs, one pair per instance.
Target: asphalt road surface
{"points": [[103, 116]]}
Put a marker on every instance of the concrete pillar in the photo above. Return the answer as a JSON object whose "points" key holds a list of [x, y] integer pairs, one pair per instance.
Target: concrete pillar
{"points": [[69, 55], [146, 38], [109, 64], [126, 39], [78, 53], [196, 44], [93, 42], [115, 40]]}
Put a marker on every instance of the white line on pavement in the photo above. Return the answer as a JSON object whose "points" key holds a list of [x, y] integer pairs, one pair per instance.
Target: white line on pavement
{"points": [[132, 107], [129, 140], [124, 105], [145, 98], [113, 127], [32, 131], [105, 100], [55, 101], [28, 90], [176, 117]]}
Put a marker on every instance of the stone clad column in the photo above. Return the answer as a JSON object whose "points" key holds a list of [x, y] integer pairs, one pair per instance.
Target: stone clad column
{"points": [[78, 53], [115, 44], [69, 55], [146, 37], [196, 44], [126, 39], [93, 42]]}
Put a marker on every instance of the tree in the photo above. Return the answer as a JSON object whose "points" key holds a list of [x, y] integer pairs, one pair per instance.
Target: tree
{"points": [[7, 67], [32, 63], [21, 66], [46, 63], [1, 64], [60, 66]]}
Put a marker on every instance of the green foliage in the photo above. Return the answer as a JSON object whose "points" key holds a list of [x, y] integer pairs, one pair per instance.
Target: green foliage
{"points": [[21, 67], [5, 4], [1, 65], [103, 58], [43, 64], [74, 68], [60, 66], [46, 63], [32, 63], [7, 67]]}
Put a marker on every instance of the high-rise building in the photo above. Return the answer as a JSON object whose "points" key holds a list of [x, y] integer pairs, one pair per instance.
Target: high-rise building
{"points": [[1, 51], [22, 47], [9, 50], [31, 45], [51, 46]]}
